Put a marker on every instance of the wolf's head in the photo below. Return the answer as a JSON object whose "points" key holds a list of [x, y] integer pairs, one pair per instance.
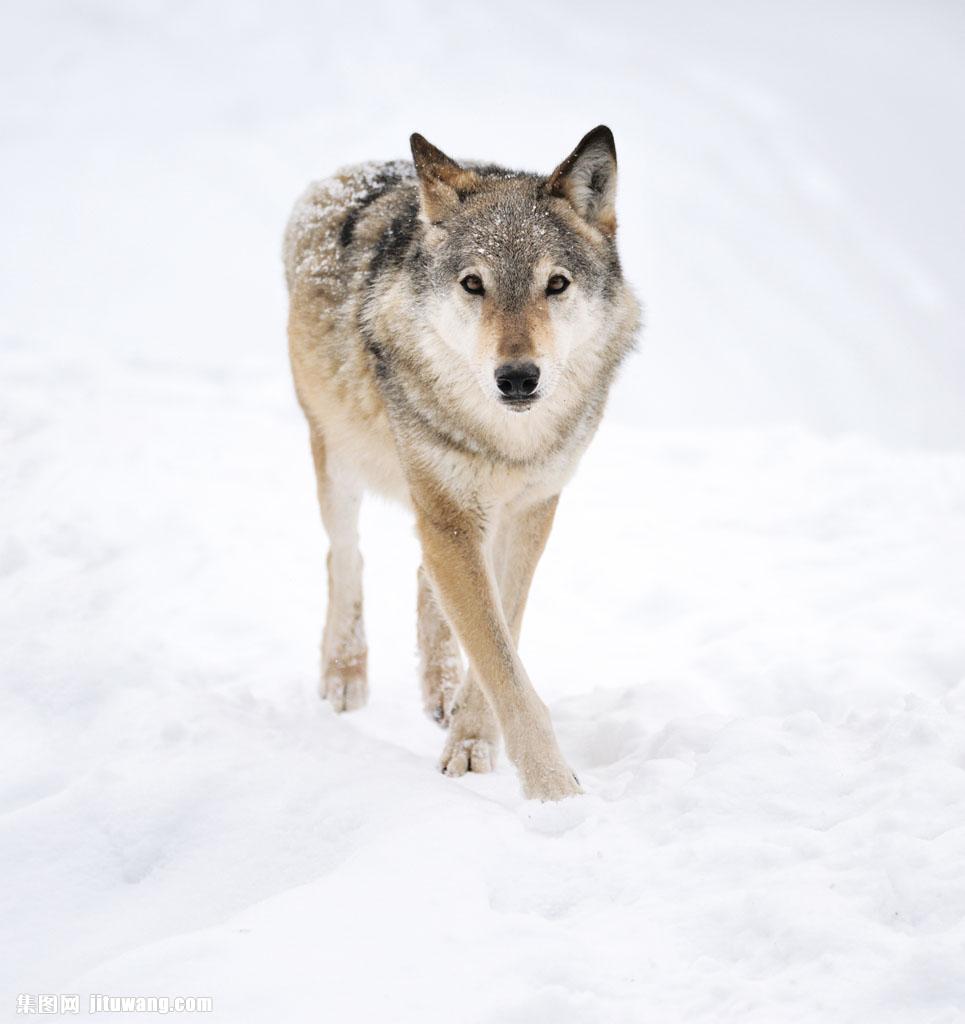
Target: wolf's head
{"points": [[522, 271]]}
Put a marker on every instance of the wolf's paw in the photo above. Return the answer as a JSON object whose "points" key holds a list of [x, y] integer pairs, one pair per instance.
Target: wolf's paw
{"points": [[543, 773], [549, 779], [473, 735], [345, 684], [467, 755]]}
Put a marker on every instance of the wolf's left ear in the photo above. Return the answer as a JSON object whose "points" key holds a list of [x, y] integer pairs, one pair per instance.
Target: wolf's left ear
{"points": [[443, 183], [588, 179]]}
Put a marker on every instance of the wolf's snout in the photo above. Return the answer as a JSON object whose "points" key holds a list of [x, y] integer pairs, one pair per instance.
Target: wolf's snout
{"points": [[517, 382]]}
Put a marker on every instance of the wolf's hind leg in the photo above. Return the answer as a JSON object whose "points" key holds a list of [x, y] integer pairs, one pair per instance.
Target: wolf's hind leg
{"points": [[440, 667], [344, 680]]}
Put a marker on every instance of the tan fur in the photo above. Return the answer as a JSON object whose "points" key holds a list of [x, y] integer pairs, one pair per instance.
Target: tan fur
{"points": [[344, 652], [394, 378]]}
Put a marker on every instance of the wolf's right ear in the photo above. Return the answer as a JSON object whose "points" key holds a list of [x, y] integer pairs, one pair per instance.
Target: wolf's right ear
{"points": [[442, 182], [588, 179]]}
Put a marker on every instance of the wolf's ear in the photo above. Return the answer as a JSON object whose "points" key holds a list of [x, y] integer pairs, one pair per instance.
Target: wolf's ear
{"points": [[443, 183], [588, 179]]}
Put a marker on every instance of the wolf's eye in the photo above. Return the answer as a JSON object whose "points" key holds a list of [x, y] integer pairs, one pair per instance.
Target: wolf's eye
{"points": [[473, 284], [557, 284]]}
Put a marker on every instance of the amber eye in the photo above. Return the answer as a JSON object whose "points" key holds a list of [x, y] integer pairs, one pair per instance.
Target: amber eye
{"points": [[557, 284], [473, 284]]}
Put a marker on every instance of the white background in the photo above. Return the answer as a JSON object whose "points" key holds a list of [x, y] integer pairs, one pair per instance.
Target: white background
{"points": [[749, 624]]}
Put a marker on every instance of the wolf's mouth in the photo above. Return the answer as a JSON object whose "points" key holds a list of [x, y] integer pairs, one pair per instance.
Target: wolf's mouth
{"points": [[522, 404]]}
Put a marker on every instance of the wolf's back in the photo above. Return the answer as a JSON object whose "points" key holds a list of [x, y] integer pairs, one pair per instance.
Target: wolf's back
{"points": [[324, 223]]}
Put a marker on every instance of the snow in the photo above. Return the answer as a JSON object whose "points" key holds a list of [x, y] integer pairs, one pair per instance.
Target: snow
{"points": [[748, 622]]}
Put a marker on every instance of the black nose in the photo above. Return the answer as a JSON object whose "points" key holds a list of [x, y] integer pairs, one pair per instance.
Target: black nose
{"points": [[517, 381]]}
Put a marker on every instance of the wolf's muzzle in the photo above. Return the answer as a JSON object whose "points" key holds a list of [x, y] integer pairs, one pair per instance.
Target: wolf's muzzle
{"points": [[517, 383]]}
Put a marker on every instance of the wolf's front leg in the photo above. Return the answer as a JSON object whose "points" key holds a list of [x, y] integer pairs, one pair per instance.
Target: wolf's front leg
{"points": [[473, 738], [473, 731], [453, 554]]}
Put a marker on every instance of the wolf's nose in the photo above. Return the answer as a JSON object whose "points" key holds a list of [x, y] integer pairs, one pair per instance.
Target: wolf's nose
{"points": [[517, 381]]}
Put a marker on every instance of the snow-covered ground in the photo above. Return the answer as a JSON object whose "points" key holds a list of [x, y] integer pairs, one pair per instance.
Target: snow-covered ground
{"points": [[749, 623]]}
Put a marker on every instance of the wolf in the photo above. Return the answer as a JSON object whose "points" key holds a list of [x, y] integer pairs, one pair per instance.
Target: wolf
{"points": [[454, 329]]}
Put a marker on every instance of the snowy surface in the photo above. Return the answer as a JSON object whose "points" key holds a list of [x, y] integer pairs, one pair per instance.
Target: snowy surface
{"points": [[750, 620]]}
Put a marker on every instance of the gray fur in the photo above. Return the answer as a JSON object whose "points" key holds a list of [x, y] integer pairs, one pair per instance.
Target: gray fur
{"points": [[393, 363]]}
